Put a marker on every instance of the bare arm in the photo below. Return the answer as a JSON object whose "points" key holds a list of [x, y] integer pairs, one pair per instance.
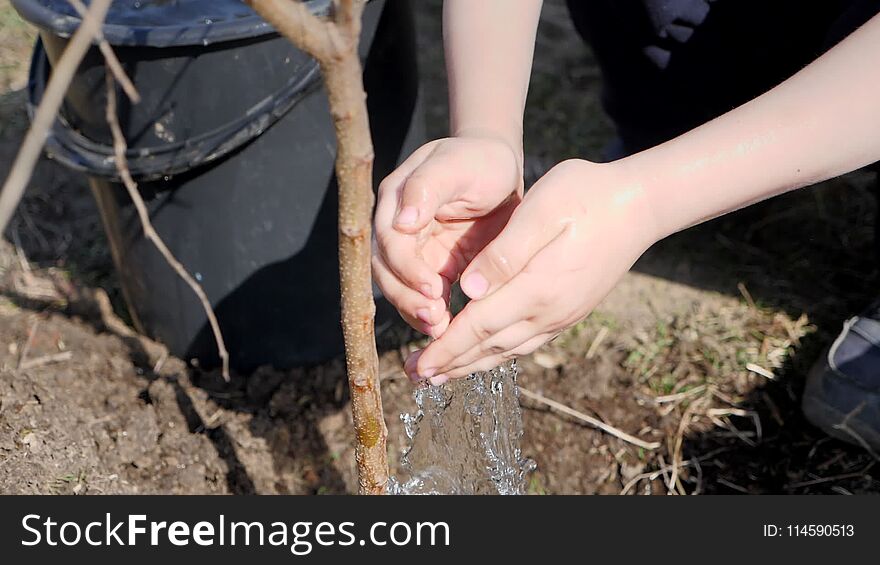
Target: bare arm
{"points": [[489, 48], [822, 122], [582, 225], [453, 195]]}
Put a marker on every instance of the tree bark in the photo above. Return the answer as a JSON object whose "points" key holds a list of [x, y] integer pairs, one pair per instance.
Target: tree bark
{"points": [[334, 43]]}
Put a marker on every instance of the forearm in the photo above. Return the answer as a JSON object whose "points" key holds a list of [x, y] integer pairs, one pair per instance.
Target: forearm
{"points": [[489, 47], [823, 122]]}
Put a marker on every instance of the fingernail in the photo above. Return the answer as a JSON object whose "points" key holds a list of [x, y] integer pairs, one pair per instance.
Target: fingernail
{"points": [[408, 216], [424, 315], [475, 285], [409, 366], [438, 380], [427, 290]]}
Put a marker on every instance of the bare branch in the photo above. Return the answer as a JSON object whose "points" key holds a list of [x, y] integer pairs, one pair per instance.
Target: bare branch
{"points": [[295, 21], [119, 149], [62, 74], [595, 422], [110, 57], [347, 15]]}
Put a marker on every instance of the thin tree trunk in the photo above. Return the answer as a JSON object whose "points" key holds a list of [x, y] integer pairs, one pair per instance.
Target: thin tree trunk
{"points": [[354, 171], [334, 43], [32, 146]]}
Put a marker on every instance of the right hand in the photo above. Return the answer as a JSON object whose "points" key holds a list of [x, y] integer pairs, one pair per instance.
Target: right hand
{"points": [[434, 214]]}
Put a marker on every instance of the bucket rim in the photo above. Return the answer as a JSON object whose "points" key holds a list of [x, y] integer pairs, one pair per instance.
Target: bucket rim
{"points": [[196, 33], [74, 150]]}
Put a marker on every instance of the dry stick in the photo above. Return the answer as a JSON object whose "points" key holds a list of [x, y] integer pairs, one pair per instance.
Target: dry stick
{"points": [[119, 149], [333, 43], [62, 74], [46, 360], [589, 420], [110, 57], [655, 474], [22, 359], [674, 482]]}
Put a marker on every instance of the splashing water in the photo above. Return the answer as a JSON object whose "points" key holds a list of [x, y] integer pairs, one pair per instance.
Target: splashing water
{"points": [[465, 438]]}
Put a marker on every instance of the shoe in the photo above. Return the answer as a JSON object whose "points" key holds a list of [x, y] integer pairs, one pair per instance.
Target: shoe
{"points": [[842, 395]]}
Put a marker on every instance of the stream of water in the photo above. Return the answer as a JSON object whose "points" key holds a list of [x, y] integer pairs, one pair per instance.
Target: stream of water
{"points": [[465, 437]]}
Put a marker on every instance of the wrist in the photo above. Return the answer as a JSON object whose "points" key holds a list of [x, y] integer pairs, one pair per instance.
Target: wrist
{"points": [[657, 192], [509, 135], [624, 191]]}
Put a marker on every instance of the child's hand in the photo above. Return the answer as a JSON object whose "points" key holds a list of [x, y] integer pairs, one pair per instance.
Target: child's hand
{"points": [[434, 214], [575, 234]]}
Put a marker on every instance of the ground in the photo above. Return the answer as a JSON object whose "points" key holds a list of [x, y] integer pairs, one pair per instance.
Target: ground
{"points": [[702, 348]]}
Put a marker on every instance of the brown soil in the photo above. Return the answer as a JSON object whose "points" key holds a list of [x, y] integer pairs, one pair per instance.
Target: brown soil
{"points": [[86, 408]]}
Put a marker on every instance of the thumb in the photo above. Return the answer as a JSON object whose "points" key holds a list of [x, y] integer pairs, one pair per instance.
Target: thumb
{"points": [[524, 236], [431, 185]]}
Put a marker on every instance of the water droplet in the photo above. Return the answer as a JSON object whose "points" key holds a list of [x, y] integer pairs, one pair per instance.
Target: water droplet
{"points": [[198, 276]]}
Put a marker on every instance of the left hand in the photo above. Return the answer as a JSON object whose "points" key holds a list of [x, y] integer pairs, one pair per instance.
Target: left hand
{"points": [[577, 231]]}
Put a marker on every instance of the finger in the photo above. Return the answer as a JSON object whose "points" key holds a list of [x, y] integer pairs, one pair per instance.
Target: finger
{"points": [[418, 311], [409, 366], [401, 253], [391, 186], [505, 340], [524, 236], [484, 364], [477, 323], [433, 183], [527, 297], [492, 361], [440, 327]]}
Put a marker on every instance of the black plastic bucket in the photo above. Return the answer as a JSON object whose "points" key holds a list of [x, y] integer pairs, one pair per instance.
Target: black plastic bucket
{"points": [[233, 149]]}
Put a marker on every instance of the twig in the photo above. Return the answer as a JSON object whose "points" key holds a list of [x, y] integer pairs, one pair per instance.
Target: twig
{"points": [[596, 423], [46, 360], [699, 468], [680, 395], [19, 251], [597, 341], [110, 57], [44, 117], [746, 295], [715, 413], [734, 486], [759, 370], [821, 480], [774, 410], [679, 442], [160, 362], [318, 37], [28, 343], [119, 149], [651, 475], [668, 479]]}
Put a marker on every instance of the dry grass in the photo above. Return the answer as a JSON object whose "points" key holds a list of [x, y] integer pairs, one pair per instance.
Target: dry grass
{"points": [[16, 39]]}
